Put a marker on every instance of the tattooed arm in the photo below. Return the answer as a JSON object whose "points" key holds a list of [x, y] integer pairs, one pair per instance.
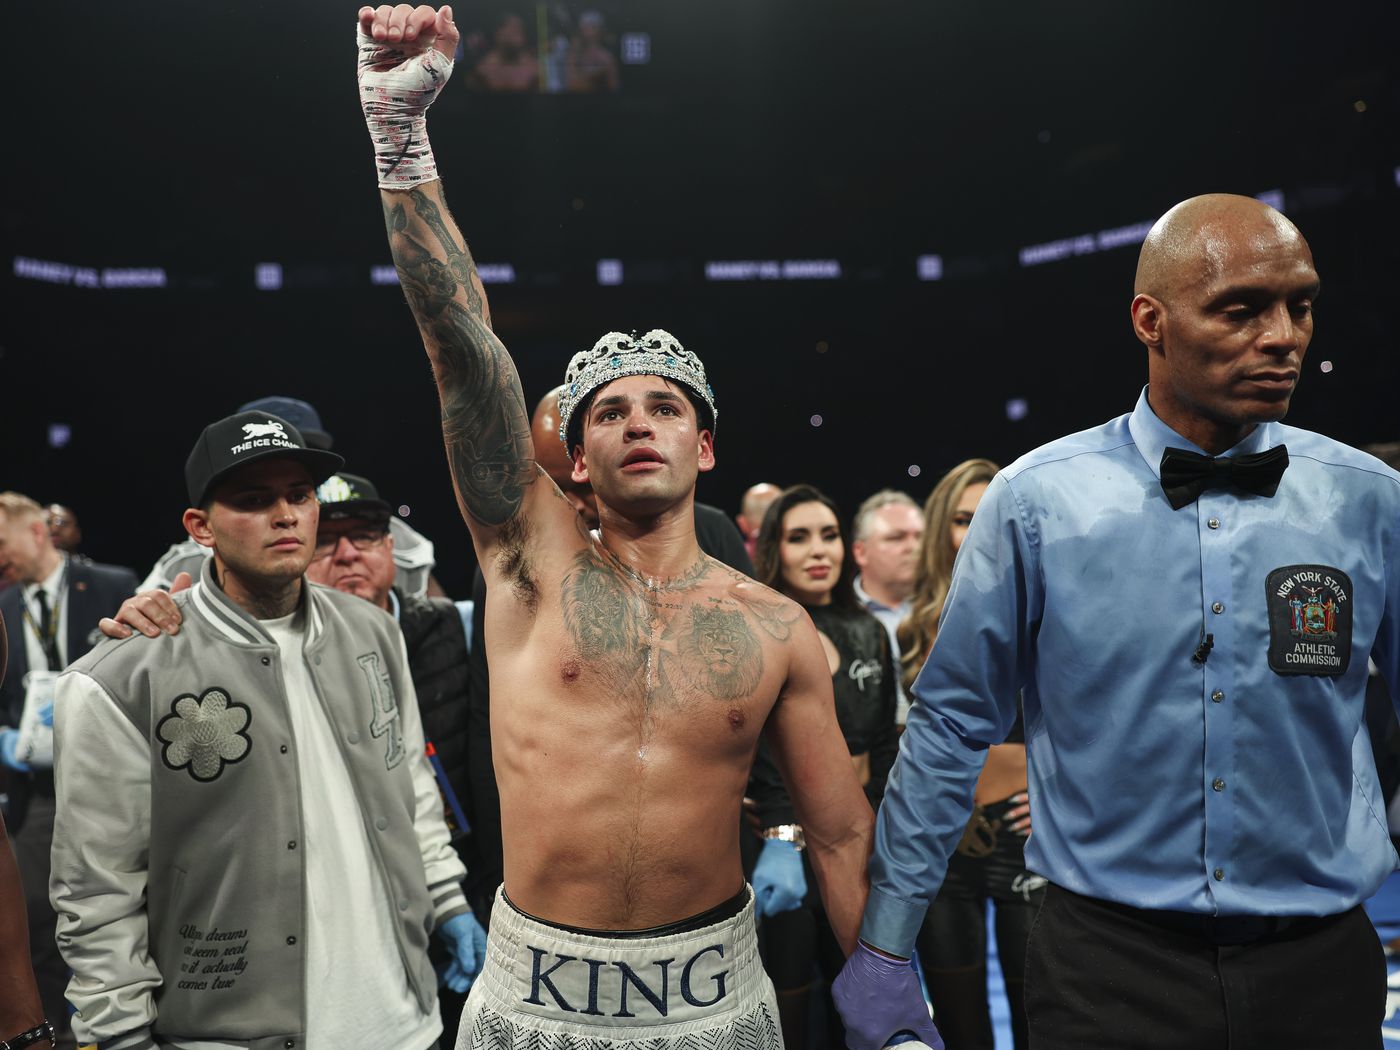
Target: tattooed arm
{"points": [[485, 424], [811, 753], [405, 59]]}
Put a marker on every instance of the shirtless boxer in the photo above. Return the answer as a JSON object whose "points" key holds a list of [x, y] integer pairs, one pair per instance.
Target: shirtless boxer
{"points": [[631, 674]]}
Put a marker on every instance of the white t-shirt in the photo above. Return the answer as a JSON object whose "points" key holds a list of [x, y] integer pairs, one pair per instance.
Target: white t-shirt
{"points": [[357, 990]]}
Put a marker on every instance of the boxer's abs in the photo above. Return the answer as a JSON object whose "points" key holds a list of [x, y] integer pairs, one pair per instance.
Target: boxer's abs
{"points": [[616, 817], [624, 722]]}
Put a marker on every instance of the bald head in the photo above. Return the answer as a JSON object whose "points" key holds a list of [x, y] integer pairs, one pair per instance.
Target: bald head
{"points": [[754, 504], [552, 456], [1192, 242], [758, 498], [544, 431], [1224, 305]]}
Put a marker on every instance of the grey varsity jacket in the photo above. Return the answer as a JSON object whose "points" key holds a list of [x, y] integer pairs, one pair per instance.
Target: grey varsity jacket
{"points": [[177, 878]]}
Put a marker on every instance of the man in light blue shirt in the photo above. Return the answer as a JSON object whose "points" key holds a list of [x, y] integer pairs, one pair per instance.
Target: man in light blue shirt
{"points": [[1205, 805]]}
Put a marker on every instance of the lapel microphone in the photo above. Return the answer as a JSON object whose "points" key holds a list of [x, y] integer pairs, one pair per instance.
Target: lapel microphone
{"points": [[1202, 652]]}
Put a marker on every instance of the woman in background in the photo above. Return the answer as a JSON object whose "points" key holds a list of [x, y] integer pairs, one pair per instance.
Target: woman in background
{"points": [[989, 862], [801, 551]]}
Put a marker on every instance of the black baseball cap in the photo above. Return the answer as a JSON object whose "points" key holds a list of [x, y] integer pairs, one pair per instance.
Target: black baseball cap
{"points": [[345, 495], [245, 438], [298, 413]]}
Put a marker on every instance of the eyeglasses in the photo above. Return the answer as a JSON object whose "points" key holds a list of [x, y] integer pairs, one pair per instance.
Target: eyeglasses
{"points": [[360, 539]]}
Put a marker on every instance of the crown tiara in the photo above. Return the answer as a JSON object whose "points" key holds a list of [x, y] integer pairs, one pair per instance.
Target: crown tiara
{"points": [[657, 353]]}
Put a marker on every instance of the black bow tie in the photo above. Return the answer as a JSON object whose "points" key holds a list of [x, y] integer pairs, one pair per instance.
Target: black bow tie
{"points": [[1185, 475]]}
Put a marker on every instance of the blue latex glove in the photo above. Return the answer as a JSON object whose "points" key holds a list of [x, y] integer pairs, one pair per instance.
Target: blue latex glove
{"points": [[879, 998], [45, 713], [9, 739], [779, 884], [467, 941]]}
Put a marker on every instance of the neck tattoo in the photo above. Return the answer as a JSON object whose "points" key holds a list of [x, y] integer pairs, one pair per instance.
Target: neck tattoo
{"points": [[269, 600], [671, 584]]}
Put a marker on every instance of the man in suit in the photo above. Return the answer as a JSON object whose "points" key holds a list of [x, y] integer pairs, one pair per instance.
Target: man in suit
{"points": [[51, 609]]}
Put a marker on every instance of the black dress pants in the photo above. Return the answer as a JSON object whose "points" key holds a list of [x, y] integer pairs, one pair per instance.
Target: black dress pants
{"points": [[795, 946], [1104, 976], [952, 944]]}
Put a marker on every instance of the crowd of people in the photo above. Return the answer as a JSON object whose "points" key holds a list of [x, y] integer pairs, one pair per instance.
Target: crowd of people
{"points": [[800, 545], [679, 780], [576, 54]]}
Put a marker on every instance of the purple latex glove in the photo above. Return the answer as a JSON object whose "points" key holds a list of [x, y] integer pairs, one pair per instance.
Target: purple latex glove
{"points": [[879, 998]]}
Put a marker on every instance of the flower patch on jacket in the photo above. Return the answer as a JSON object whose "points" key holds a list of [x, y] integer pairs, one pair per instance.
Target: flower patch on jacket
{"points": [[204, 734]]}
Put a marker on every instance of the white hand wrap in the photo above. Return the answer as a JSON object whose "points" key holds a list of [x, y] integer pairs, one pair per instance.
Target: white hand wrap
{"points": [[396, 89]]}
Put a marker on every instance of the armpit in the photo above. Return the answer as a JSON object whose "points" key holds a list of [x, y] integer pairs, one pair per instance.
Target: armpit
{"points": [[513, 562]]}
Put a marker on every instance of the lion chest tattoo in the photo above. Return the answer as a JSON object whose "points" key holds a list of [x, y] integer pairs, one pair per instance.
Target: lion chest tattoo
{"points": [[718, 650]]}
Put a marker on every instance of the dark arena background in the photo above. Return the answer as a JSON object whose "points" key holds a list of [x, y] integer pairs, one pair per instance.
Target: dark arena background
{"points": [[899, 235]]}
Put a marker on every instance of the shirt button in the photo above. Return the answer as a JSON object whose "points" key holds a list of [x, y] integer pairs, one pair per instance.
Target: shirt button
{"points": [[291, 940], [403, 905], [284, 749], [381, 823], [354, 738], [318, 661], [1218, 784], [1217, 696], [1214, 523], [266, 660], [292, 844], [1219, 874], [290, 1043], [1217, 607]]}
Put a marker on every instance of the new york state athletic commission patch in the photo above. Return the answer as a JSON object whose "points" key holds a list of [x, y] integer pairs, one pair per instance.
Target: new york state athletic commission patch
{"points": [[1309, 620]]}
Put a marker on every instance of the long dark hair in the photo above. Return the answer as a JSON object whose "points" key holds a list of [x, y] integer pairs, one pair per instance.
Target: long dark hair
{"points": [[934, 574], [767, 555]]}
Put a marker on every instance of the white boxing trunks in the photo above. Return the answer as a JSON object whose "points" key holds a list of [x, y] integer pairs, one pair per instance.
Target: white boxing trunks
{"points": [[545, 987]]}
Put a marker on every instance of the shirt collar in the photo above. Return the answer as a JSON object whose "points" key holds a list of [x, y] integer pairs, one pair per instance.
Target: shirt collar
{"points": [[238, 625], [869, 602], [1152, 437]]}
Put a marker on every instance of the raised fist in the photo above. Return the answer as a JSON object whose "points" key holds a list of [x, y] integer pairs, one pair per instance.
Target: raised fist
{"points": [[405, 59], [408, 30]]}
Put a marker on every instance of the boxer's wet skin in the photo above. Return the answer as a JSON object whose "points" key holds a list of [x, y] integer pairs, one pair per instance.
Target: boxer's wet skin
{"points": [[632, 735], [630, 674]]}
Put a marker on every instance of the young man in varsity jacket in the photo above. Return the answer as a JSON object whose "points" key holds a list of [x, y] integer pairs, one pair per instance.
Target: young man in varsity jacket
{"points": [[249, 845]]}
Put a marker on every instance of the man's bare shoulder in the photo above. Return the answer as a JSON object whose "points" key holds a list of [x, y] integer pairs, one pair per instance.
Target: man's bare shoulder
{"points": [[776, 614]]}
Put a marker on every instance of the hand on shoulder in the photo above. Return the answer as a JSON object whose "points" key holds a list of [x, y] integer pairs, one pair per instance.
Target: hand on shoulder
{"points": [[149, 612]]}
